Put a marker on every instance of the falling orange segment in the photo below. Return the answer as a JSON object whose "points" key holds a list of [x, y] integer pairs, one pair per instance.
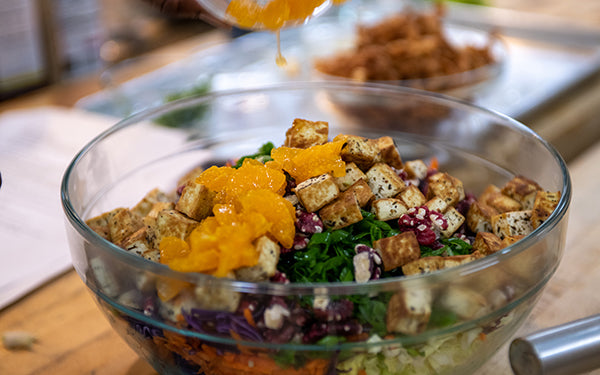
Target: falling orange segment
{"points": [[303, 164]]}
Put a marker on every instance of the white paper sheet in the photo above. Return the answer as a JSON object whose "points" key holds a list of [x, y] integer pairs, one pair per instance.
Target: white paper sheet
{"points": [[35, 148]]}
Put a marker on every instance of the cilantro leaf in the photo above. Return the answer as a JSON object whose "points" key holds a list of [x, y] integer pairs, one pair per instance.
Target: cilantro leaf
{"points": [[263, 155]]}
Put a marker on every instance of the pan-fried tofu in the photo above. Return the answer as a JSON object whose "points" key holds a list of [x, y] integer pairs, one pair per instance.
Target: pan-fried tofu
{"points": [[487, 243], [139, 243], [196, 201], [437, 204], [388, 209], [145, 205], [492, 196], [479, 217], [305, 133], [122, 224], [172, 223], [99, 224], [514, 223], [454, 220], [398, 250], [409, 311], [544, 204], [465, 303], [359, 150], [362, 191], [509, 240], [384, 181], [388, 152], [523, 190], [214, 297], [316, 192], [266, 267], [341, 212], [412, 196], [416, 169], [447, 187], [353, 174], [435, 263]]}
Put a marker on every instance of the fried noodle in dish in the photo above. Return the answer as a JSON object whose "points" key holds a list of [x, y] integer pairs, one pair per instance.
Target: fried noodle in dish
{"points": [[406, 46]]}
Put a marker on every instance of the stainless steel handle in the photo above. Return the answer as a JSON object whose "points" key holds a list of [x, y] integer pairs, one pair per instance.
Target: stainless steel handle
{"points": [[571, 348]]}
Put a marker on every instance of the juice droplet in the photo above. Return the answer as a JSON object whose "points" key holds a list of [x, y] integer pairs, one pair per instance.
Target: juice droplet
{"points": [[279, 59]]}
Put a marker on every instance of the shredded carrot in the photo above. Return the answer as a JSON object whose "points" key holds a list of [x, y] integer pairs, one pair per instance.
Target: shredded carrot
{"points": [[482, 336], [361, 372], [249, 317], [434, 163]]}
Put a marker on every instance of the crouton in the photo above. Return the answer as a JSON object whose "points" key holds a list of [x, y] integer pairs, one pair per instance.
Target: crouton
{"points": [[454, 220], [145, 205], [487, 243], [398, 250], [388, 152], [409, 311], [479, 217], [416, 169], [544, 204], [353, 174], [305, 133], [388, 209], [266, 267], [359, 150], [341, 212], [384, 181], [122, 224], [449, 188], [435, 263], [523, 190], [412, 196], [316, 192], [139, 244], [196, 200], [492, 196], [514, 223], [362, 191], [437, 204], [172, 223]]}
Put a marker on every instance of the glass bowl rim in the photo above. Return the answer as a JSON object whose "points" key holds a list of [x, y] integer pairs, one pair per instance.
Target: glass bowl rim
{"points": [[335, 288]]}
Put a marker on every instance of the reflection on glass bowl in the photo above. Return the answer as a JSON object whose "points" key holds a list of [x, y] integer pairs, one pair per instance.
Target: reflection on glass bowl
{"points": [[214, 326]]}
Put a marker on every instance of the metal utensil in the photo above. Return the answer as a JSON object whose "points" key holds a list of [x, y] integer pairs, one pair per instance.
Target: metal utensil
{"points": [[571, 348]]}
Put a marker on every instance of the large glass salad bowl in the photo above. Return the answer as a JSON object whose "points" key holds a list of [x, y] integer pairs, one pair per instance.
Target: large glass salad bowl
{"points": [[188, 323]]}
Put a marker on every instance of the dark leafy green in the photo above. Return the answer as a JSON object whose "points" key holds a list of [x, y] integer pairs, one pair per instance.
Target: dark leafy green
{"points": [[263, 155], [452, 246]]}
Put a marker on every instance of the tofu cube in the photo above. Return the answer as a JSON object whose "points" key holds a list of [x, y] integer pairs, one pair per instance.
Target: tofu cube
{"points": [[388, 152], [122, 224], [454, 219], [523, 190], [266, 267], [362, 191], [492, 196], [172, 223], [353, 174], [487, 243], [139, 244], [196, 201], [437, 204], [305, 133], [448, 188], [544, 204], [99, 224], [416, 169], [214, 297], [465, 303], [316, 192], [384, 181], [412, 196], [398, 250], [342, 212], [409, 311], [190, 176], [388, 209], [509, 240], [435, 263], [479, 217], [145, 205], [514, 223], [359, 150]]}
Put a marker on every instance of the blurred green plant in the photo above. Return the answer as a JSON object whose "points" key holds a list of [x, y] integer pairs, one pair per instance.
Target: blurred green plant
{"points": [[185, 117]]}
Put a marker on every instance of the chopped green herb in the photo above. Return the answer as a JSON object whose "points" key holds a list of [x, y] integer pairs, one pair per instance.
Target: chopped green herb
{"points": [[452, 246], [442, 318], [263, 155]]}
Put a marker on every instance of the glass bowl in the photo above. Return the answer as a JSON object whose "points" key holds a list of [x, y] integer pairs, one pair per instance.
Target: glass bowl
{"points": [[184, 323]]}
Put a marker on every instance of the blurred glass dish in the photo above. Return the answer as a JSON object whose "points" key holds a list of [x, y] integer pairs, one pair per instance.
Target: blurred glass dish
{"points": [[476, 307], [412, 49]]}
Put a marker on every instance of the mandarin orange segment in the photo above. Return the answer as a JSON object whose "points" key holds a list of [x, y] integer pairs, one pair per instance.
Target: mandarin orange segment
{"points": [[303, 164], [276, 209], [168, 289], [171, 248]]}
